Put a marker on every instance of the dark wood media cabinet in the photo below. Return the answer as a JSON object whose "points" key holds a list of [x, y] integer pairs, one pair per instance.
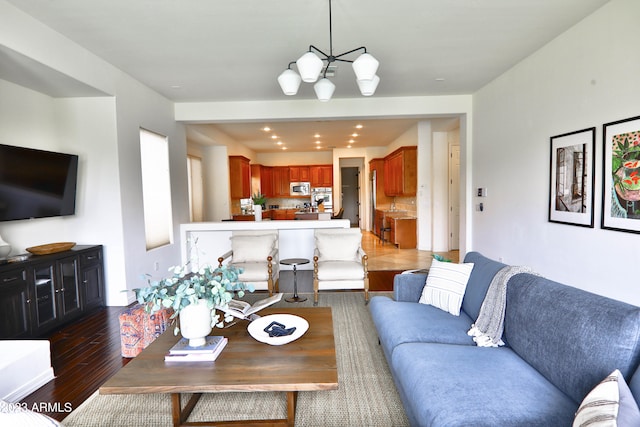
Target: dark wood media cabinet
{"points": [[44, 292]]}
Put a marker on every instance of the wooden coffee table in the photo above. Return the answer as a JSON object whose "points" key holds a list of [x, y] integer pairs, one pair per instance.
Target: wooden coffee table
{"points": [[307, 364]]}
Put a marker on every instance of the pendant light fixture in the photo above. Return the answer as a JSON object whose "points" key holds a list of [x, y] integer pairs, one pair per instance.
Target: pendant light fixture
{"points": [[310, 66]]}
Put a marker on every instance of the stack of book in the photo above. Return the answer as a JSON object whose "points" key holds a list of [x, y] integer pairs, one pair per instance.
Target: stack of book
{"points": [[182, 352]]}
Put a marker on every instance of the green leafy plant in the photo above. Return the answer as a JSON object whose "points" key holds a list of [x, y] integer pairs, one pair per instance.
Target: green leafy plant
{"points": [[215, 285], [440, 258], [259, 199]]}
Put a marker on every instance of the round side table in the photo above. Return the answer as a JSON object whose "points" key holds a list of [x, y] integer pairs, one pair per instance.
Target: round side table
{"points": [[295, 262]]}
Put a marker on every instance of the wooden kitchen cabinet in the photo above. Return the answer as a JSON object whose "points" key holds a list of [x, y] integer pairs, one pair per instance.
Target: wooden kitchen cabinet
{"points": [[281, 181], [401, 172], [403, 232], [240, 177], [321, 176], [299, 174], [262, 180]]}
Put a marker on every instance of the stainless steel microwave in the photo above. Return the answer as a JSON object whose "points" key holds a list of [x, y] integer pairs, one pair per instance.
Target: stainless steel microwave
{"points": [[300, 188]]}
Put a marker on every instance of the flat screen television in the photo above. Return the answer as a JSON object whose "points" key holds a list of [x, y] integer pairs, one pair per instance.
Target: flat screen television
{"points": [[36, 183]]}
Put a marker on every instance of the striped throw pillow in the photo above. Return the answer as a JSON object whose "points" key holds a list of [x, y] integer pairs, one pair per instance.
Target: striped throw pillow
{"points": [[445, 285], [610, 403]]}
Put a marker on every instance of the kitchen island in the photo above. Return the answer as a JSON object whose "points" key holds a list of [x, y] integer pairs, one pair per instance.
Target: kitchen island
{"points": [[204, 242]]}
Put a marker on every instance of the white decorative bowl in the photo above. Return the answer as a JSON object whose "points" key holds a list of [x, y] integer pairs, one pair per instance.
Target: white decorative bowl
{"points": [[256, 328]]}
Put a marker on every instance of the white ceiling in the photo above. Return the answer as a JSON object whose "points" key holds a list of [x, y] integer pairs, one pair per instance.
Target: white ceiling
{"points": [[231, 50]]}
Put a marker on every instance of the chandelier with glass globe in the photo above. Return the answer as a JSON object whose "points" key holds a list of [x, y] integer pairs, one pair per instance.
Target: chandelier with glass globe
{"points": [[310, 66]]}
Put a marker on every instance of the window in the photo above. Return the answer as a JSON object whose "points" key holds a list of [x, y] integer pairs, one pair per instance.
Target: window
{"points": [[196, 192], [156, 189]]}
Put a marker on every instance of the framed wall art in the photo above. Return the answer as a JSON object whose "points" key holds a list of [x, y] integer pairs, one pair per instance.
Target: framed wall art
{"points": [[621, 175], [572, 178]]}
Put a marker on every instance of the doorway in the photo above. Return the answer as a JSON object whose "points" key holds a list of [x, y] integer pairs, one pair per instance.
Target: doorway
{"points": [[350, 179]]}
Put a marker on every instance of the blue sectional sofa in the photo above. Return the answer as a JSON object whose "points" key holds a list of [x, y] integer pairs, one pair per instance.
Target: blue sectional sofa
{"points": [[560, 342]]}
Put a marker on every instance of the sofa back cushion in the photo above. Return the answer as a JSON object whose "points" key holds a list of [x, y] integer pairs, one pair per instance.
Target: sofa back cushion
{"points": [[634, 385], [483, 271], [572, 337]]}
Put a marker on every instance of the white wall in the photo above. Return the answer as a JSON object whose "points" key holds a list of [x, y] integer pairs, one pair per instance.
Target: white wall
{"points": [[586, 77], [104, 132]]}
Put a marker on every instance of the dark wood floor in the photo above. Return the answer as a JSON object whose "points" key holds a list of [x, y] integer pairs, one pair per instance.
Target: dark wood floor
{"points": [[84, 355]]}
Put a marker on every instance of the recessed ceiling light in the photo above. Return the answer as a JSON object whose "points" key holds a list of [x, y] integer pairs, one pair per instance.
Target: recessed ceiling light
{"points": [[359, 126], [352, 141], [317, 135], [274, 137], [440, 79], [176, 87], [318, 148], [284, 148], [348, 146], [354, 134], [266, 129], [279, 142], [317, 142]]}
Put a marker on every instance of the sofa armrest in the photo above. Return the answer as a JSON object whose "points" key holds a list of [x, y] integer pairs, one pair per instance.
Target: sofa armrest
{"points": [[408, 287]]}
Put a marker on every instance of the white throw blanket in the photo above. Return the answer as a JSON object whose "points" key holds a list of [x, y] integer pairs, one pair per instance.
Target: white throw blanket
{"points": [[488, 329]]}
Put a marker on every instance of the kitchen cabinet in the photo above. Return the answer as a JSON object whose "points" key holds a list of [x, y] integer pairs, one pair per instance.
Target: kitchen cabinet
{"points": [[284, 214], [43, 292], [240, 177], [378, 223], [299, 174], [321, 176], [403, 232], [281, 181], [262, 180], [401, 172]]}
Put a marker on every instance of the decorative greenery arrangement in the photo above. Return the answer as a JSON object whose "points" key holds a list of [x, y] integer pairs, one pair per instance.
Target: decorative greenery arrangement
{"points": [[215, 285], [440, 258], [259, 199]]}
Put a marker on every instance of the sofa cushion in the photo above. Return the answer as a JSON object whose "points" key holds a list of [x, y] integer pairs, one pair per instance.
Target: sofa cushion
{"points": [[255, 271], [552, 326], [252, 248], [481, 276], [457, 385], [610, 403], [340, 244], [340, 270], [406, 322], [445, 285]]}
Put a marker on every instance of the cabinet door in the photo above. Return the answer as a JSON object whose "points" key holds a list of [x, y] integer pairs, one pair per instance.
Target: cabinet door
{"points": [[239, 177], [68, 287], [303, 174], [281, 181], [266, 181], [14, 305], [44, 297], [92, 287]]}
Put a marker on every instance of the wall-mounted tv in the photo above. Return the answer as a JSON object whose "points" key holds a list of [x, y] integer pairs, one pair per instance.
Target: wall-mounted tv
{"points": [[36, 183]]}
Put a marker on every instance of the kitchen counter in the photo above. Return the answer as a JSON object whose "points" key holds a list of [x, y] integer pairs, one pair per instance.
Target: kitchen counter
{"points": [[322, 216], [204, 242]]}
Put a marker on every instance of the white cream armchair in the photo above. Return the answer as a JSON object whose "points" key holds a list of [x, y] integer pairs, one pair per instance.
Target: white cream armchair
{"points": [[339, 262], [256, 252]]}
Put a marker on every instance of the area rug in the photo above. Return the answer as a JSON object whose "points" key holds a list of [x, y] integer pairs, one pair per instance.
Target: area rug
{"points": [[366, 396]]}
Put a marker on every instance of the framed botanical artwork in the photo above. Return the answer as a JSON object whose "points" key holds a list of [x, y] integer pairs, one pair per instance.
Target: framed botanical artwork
{"points": [[571, 178], [621, 175]]}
